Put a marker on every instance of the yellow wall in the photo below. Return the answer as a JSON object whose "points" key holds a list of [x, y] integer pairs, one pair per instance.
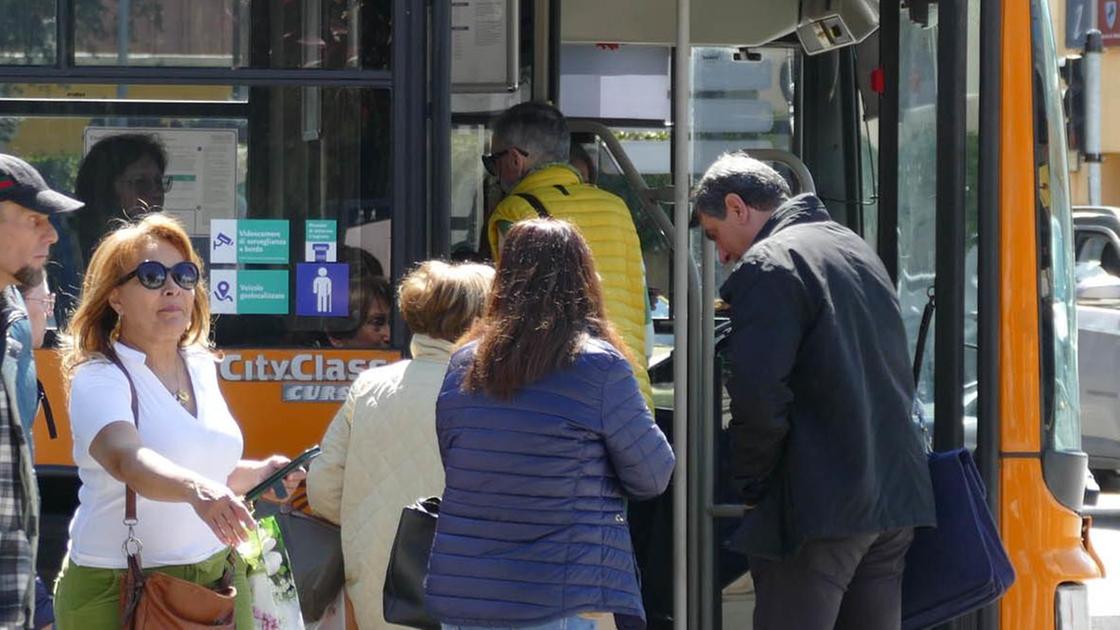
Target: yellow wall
{"points": [[63, 135], [1110, 118]]}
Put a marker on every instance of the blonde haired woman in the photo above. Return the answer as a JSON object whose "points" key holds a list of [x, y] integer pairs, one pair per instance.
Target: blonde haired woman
{"points": [[380, 451], [144, 302]]}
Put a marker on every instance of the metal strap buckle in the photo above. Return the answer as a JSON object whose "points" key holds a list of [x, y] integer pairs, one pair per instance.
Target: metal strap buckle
{"points": [[132, 545]]}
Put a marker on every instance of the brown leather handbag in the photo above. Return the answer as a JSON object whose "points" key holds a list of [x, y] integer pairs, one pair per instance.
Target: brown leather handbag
{"points": [[157, 600]]}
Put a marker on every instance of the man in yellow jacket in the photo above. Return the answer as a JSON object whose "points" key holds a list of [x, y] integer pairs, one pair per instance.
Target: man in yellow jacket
{"points": [[529, 152]]}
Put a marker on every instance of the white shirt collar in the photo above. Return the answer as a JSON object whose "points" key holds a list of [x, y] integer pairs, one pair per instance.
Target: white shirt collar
{"points": [[129, 354]]}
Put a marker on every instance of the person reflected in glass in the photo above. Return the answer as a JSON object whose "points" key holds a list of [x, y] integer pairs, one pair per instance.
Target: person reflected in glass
{"points": [[371, 304], [122, 177], [145, 303]]}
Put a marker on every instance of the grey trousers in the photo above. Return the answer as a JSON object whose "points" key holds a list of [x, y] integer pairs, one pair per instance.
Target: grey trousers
{"points": [[841, 583]]}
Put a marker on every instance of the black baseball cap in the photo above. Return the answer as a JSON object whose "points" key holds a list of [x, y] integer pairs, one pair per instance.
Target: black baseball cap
{"points": [[21, 183]]}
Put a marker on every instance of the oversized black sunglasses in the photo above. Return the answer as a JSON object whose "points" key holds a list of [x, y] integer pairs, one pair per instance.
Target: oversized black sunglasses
{"points": [[490, 160], [152, 274]]}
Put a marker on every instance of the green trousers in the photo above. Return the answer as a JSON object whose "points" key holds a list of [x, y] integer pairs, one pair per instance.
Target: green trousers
{"points": [[86, 598]]}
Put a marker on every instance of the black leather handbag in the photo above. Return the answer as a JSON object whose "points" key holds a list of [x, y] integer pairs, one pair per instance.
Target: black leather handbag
{"points": [[403, 595]]}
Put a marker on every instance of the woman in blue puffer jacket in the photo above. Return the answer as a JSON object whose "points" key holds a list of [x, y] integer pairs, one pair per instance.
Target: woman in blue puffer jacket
{"points": [[544, 435]]}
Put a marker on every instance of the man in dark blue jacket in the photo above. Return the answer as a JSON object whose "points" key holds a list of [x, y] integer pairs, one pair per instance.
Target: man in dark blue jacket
{"points": [[825, 454]]}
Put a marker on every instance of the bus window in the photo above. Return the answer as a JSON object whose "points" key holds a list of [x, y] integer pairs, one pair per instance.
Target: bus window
{"points": [[917, 204], [28, 36], [307, 158], [346, 34], [648, 150], [1058, 292], [468, 190], [917, 182], [742, 99]]}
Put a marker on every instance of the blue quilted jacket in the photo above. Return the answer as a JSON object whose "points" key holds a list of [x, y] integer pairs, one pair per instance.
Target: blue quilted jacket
{"points": [[533, 522]]}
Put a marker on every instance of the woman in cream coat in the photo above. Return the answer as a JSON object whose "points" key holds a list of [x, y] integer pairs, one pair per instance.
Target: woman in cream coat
{"points": [[380, 451]]}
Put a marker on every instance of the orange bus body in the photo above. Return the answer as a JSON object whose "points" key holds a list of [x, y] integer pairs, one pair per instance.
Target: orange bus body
{"points": [[269, 423], [1044, 538]]}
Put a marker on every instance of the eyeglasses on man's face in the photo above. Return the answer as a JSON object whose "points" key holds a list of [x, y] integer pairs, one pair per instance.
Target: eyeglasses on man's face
{"points": [[46, 301], [145, 185], [490, 160]]}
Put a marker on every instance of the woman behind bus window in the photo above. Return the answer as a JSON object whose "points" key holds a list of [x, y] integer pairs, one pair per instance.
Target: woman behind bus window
{"points": [[121, 177], [143, 300], [368, 324], [380, 452], [543, 435]]}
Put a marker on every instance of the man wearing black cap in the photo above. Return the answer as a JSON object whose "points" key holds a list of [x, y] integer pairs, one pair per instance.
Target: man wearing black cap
{"points": [[26, 235], [824, 452]]}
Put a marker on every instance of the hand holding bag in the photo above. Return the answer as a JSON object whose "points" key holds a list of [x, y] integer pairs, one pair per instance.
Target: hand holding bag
{"points": [[403, 596], [158, 600]]}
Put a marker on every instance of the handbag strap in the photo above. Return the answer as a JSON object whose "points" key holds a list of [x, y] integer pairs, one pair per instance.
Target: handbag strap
{"points": [[919, 356], [129, 493], [923, 334], [130, 520]]}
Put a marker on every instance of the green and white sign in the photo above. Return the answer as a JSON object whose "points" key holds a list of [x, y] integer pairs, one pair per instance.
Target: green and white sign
{"points": [[249, 292], [321, 241], [249, 241]]}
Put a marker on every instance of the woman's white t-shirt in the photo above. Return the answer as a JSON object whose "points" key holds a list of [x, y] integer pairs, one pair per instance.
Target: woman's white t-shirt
{"points": [[209, 445]]}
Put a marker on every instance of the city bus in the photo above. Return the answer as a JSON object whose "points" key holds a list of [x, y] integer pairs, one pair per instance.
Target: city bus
{"points": [[317, 133]]}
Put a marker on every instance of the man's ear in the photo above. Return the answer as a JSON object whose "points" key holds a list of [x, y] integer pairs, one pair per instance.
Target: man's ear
{"points": [[520, 161], [737, 209]]}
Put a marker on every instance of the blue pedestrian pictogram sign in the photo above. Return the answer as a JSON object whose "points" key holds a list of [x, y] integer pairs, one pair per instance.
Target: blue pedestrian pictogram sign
{"points": [[323, 289]]}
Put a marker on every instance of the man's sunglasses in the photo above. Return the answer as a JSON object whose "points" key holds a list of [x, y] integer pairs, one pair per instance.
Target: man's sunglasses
{"points": [[490, 160], [153, 275]]}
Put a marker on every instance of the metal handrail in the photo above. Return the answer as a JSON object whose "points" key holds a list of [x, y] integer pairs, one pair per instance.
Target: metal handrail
{"points": [[646, 194]]}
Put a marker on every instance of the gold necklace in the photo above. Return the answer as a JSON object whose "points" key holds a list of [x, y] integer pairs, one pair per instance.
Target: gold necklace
{"points": [[181, 394]]}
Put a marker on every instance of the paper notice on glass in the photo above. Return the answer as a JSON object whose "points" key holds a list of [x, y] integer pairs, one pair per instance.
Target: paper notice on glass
{"points": [[481, 52], [202, 165]]}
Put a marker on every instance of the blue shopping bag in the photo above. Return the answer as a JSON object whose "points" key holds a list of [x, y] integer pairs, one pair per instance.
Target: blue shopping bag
{"points": [[960, 565]]}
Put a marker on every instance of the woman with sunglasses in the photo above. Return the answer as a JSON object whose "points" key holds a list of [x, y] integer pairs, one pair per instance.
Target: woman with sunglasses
{"points": [[143, 325]]}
